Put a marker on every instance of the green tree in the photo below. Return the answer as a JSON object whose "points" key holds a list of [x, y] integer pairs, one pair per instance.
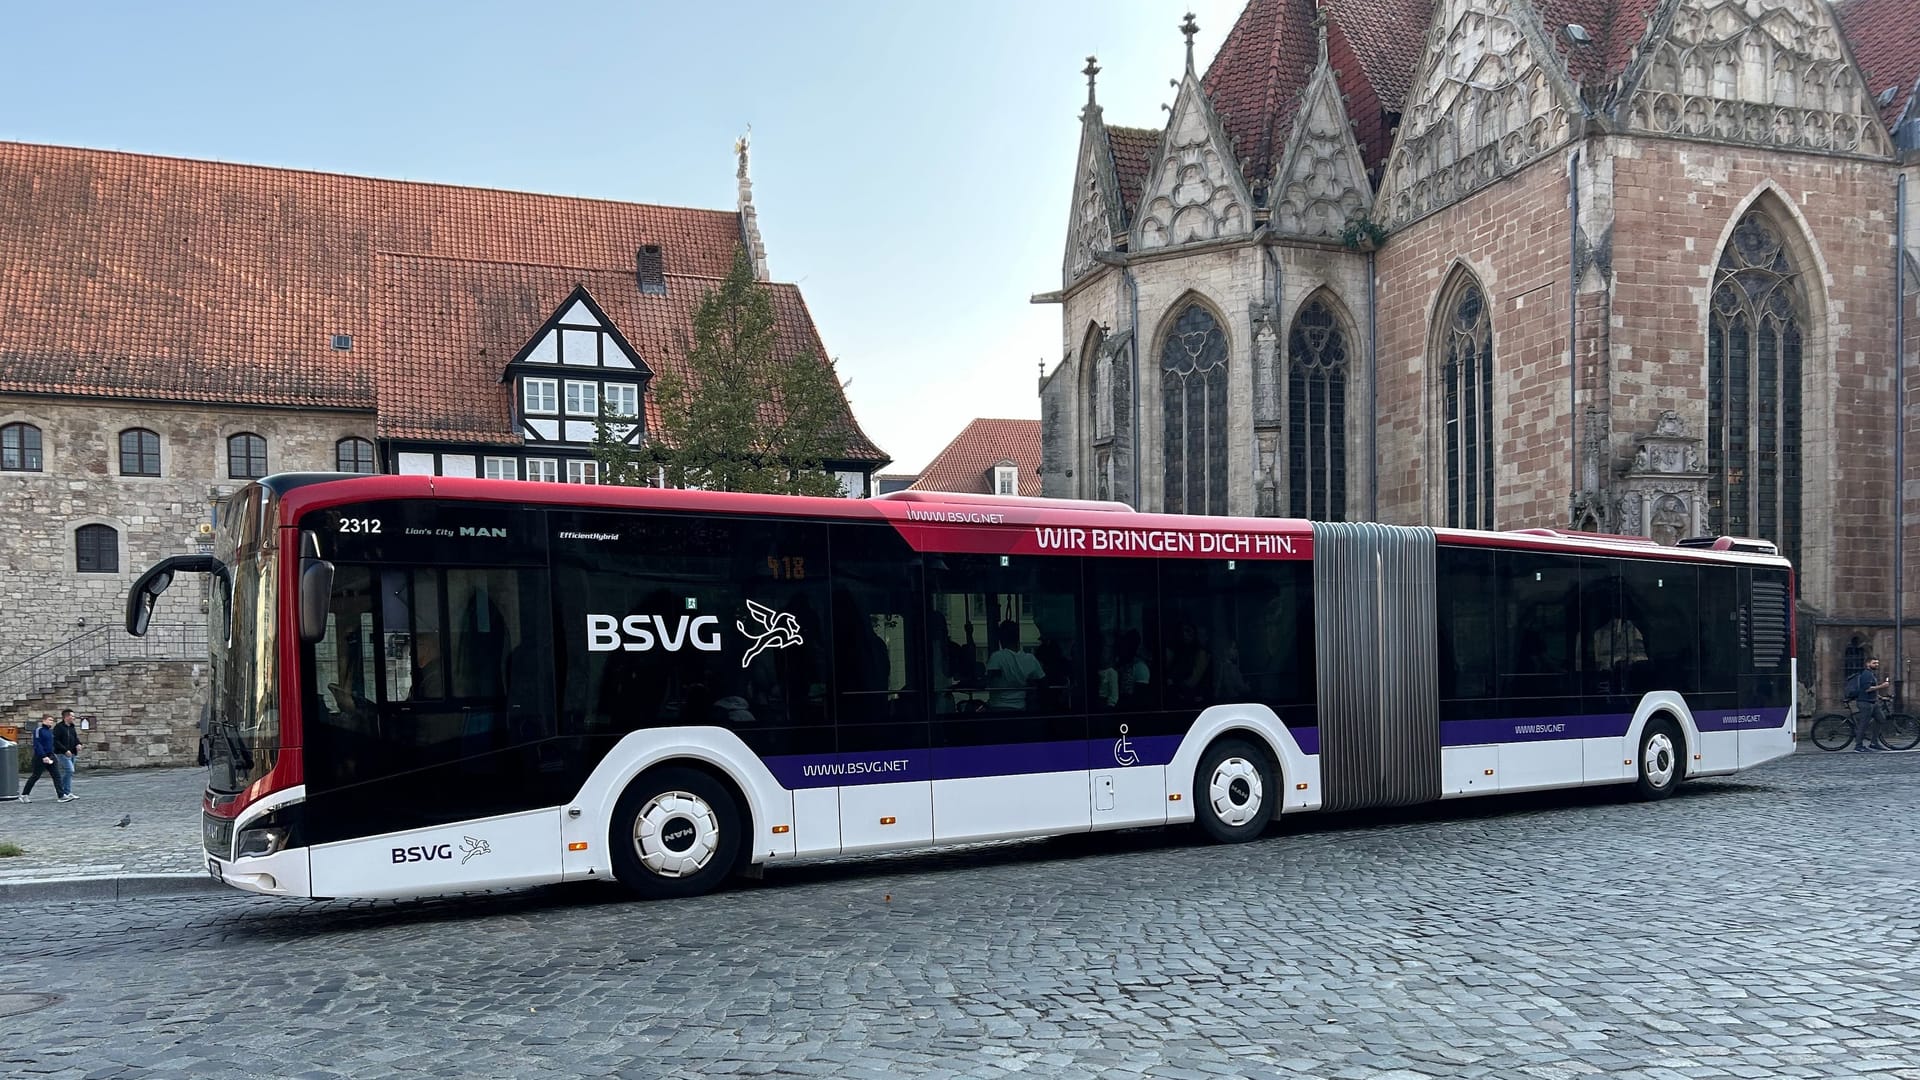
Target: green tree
{"points": [[738, 416]]}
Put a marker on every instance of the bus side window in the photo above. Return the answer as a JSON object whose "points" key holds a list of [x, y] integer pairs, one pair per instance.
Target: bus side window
{"points": [[411, 646], [1123, 635], [1722, 658], [343, 659], [1018, 625], [1541, 596], [1469, 595], [1660, 602], [876, 617]]}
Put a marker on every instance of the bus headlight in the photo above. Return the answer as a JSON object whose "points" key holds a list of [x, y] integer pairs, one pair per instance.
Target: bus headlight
{"points": [[260, 841]]}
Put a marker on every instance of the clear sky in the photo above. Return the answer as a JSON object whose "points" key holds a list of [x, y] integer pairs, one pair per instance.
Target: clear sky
{"points": [[912, 161]]}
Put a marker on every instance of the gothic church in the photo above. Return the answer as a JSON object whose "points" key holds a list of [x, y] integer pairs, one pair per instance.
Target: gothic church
{"points": [[1640, 267]]}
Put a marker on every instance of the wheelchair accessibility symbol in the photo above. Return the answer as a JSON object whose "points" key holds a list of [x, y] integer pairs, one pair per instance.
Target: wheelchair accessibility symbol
{"points": [[1123, 749]]}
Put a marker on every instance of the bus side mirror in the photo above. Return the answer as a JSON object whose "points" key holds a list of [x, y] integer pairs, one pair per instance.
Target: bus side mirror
{"points": [[316, 595], [147, 589], [140, 604]]}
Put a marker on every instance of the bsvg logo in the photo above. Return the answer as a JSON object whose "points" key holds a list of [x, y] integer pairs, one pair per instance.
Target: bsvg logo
{"points": [[641, 633], [423, 853]]}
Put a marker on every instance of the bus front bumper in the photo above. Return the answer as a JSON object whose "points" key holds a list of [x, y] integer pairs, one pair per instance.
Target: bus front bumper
{"points": [[284, 873]]}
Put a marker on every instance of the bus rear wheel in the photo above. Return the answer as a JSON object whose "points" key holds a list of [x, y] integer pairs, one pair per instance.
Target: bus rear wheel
{"points": [[1663, 759], [1234, 791], [676, 832]]}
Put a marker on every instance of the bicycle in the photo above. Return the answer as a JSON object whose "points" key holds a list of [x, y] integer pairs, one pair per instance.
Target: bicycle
{"points": [[1895, 731]]}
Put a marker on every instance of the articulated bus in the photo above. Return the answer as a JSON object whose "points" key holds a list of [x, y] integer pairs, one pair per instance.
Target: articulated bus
{"points": [[430, 684]]}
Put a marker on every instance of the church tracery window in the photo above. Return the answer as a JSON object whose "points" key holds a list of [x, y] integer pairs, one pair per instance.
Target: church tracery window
{"points": [[1317, 414], [1466, 407], [1756, 333], [1193, 386]]}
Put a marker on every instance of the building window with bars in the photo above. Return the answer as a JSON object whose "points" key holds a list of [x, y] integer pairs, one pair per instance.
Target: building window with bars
{"points": [[1756, 331], [96, 549], [1464, 338], [246, 456], [139, 453], [1193, 388], [20, 448], [1317, 414], [353, 455]]}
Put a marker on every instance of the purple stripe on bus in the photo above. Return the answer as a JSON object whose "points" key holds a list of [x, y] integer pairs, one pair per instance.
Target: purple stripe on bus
{"points": [[1146, 751], [1533, 729], [963, 762], [1740, 719], [794, 771]]}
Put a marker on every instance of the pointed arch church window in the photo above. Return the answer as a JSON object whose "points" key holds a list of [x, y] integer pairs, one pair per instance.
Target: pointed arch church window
{"points": [[1193, 388], [1756, 331], [1317, 414], [1466, 407]]}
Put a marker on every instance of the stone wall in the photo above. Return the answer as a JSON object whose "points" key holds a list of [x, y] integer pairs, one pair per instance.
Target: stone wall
{"points": [[1513, 238], [144, 713], [45, 599]]}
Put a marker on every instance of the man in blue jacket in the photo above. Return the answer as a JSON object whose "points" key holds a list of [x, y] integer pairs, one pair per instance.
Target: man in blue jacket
{"points": [[43, 759]]}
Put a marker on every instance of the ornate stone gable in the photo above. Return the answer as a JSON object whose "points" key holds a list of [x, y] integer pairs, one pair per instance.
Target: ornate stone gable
{"points": [[1096, 202], [1195, 191], [1766, 72], [1321, 183], [1483, 103]]}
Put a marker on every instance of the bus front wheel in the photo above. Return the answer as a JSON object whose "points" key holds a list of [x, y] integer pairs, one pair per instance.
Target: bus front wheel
{"points": [[676, 832], [1663, 759], [1234, 791]]}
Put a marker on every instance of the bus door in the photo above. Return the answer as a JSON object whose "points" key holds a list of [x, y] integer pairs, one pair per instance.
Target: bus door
{"points": [[1374, 642]]}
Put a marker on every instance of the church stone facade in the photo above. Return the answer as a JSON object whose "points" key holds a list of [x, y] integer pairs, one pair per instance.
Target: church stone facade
{"points": [[1642, 268]]}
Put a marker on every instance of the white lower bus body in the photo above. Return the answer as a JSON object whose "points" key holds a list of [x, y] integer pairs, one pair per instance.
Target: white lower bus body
{"points": [[573, 842]]}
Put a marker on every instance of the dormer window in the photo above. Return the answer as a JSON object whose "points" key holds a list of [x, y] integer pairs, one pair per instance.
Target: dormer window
{"points": [[583, 398], [540, 396], [1006, 478]]}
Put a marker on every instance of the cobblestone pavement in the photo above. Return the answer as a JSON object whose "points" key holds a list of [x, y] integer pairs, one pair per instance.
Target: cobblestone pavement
{"points": [[80, 838], [1760, 926]]}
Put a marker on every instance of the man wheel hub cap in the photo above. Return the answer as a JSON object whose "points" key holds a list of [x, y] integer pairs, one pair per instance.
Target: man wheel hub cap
{"points": [[1660, 760], [676, 834], [1235, 791]]}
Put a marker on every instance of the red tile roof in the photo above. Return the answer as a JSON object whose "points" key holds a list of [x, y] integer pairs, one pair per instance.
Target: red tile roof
{"points": [[1133, 150], [1885, 36], [441, 380], [1256, 78], [1616, 28], [131, 276], [1386, 36], [966, 465]]}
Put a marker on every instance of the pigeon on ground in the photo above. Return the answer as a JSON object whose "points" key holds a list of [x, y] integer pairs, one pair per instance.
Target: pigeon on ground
{"points": [[125, 820]]}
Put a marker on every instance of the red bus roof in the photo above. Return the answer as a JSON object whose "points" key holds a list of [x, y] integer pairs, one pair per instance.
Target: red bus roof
{"points": [[972, 522]]}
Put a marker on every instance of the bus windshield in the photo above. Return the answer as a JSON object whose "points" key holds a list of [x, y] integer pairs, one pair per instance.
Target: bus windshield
{"points": [[243, 730]]}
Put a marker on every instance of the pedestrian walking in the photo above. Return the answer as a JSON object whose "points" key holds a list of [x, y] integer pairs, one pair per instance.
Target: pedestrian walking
{"points": [[66, 747], [43, 760], [1864, 690]]}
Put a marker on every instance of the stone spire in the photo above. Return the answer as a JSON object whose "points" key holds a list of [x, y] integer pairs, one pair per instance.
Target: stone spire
{"points": [[749, 219], [1093, 107], [1189, 28]]}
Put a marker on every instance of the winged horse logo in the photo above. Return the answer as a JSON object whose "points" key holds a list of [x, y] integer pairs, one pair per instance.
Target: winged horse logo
{"points": [[777, 631]]}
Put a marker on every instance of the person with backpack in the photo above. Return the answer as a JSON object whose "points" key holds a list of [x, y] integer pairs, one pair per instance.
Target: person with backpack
{"points": [[43, 761], [1864, 690]]}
